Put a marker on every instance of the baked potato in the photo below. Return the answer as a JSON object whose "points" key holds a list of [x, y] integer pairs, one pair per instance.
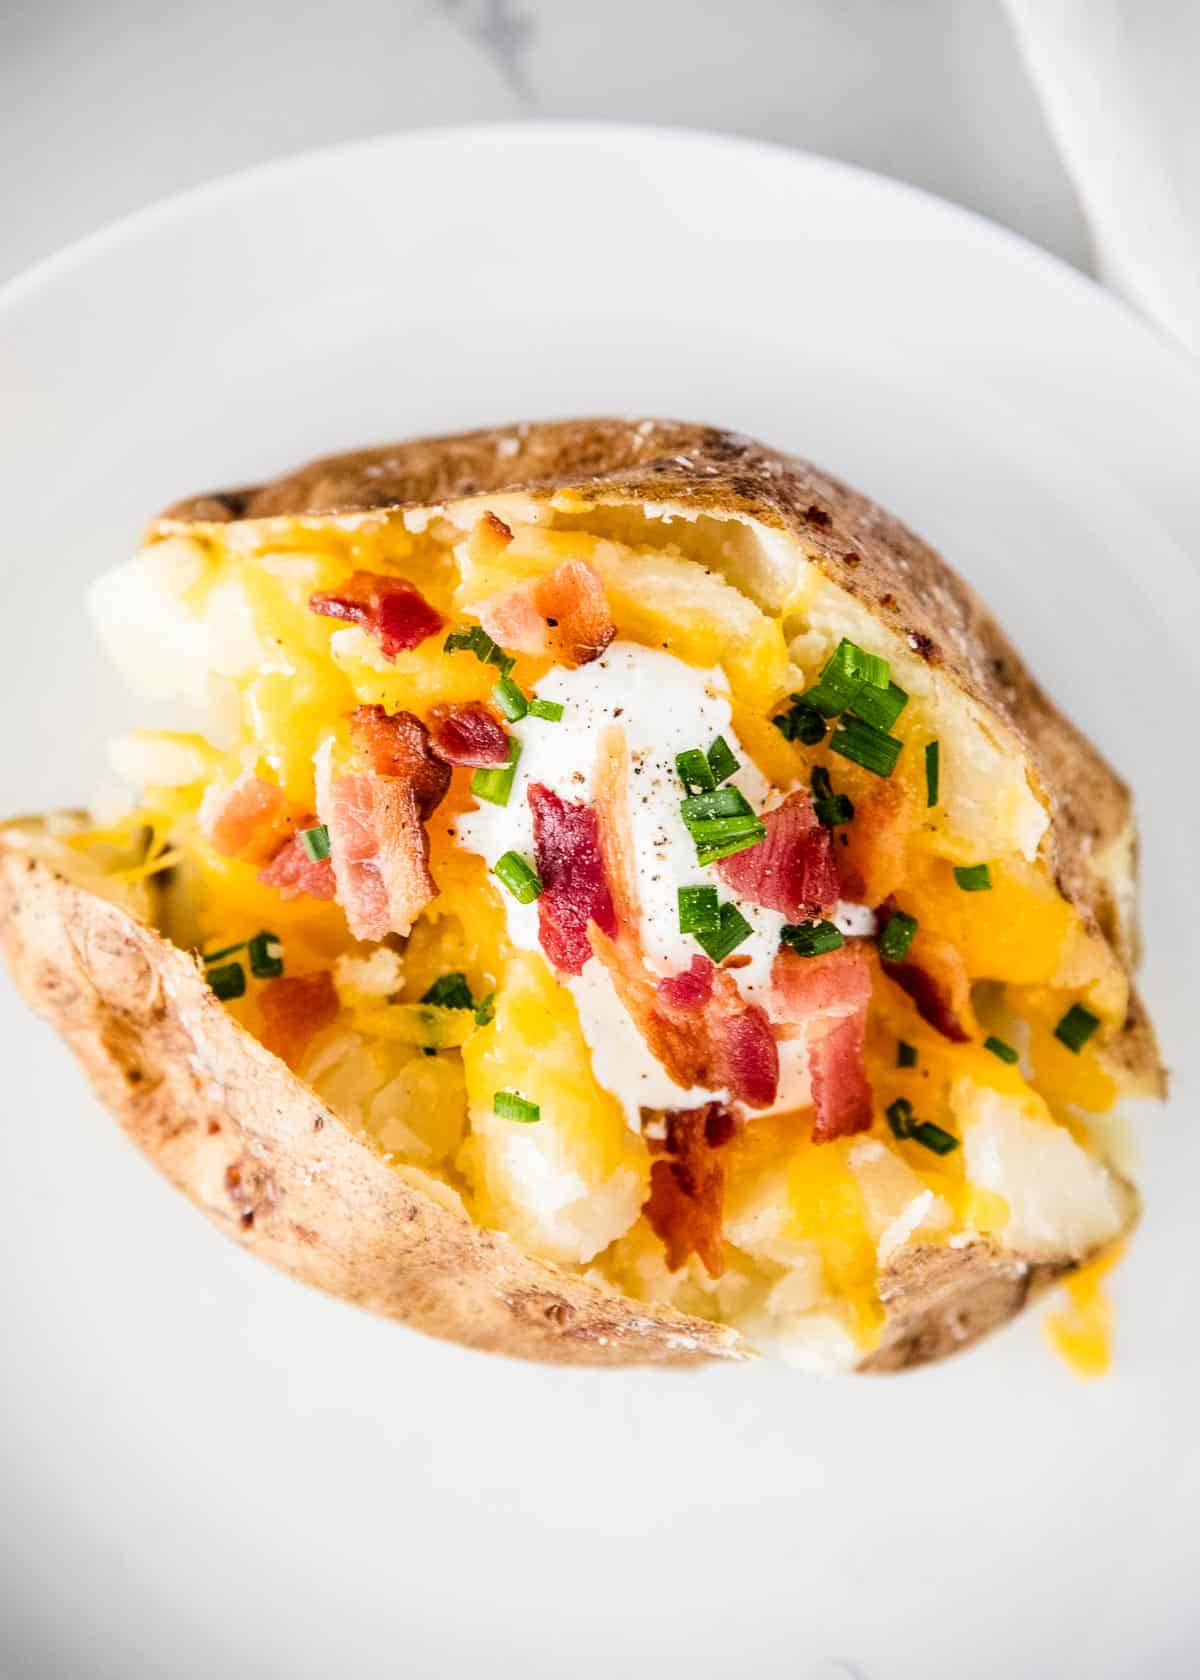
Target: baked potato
{"points": [[621, 899]]}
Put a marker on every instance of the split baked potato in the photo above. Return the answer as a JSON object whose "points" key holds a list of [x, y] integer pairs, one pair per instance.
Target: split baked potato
{"points": [[622, 899]]}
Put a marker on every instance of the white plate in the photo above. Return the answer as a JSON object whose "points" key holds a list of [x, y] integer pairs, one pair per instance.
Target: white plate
{"points": [[208, 1469]]}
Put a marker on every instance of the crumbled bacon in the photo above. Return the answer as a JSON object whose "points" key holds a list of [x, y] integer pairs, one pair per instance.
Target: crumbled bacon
{"points": [[389, 608], [687, 1189], [468, 734], [375, 817], [563, 615], [792, 870], [827, 998], [690, 990], [575, 893], [249, 819], [935, 978], [295, 874], [294, 1008]]}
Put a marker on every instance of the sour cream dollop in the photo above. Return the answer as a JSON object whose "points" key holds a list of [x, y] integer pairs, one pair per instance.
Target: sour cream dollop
{"points": [[664, 707]]}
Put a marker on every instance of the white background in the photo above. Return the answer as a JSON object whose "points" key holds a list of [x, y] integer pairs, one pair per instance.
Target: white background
{"points": [[105, 107]]}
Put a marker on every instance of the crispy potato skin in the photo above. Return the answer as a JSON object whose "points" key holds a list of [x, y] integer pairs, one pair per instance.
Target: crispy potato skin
{"points": [[259, 1154]]}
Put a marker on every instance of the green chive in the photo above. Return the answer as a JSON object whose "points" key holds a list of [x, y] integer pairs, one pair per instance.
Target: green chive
{"points": [[699, 911], [1076, 1027], [863, 744], [932, 772], [721, 760], [228, 981], [801, 722], [485, 1010], [315, 842], [694, 771], [724, 802], [835, 811], [974, 877], [999, 1048], [477, 641], [714, 831], [811, 939], [550, 711], [899, 1116], [522, 881], [496, 785], [450, 991], [714, 852], [225, 951], [906, 1055], [733, 929], [897, 936], [880, 706], [847, 670], [511, 701], [510, 1105], [933, 1137], [266, 955]]}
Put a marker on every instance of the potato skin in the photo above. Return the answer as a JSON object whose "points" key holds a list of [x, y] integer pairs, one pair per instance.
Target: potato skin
{"points": [[266, 1161]]}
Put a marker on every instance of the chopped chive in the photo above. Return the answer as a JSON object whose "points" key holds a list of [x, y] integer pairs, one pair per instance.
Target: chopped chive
{"points": [[721, 760], [880, 706], [713, 852], [897, 936], [522, 881], [477, 641], [315, 842], [510, 1105], [550, 711], [820, 783], [699, 911], [694, 771], [228, 981], [496, 785], [906, 1055], [999, 1048], [811, 939], [225, 951], [933, 754], [450, 991], [801, 722], [266, 955], [899, 1116], [933, 1137], [724, 802], [714, 831], [733, 929], [848, 669], [485, 1010], [974, 877], [837, 809], [511, 701], [1076, 1027], [863, 744]]}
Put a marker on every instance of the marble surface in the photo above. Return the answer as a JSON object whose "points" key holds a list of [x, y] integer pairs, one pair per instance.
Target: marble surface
{"points": [[105, 108]]}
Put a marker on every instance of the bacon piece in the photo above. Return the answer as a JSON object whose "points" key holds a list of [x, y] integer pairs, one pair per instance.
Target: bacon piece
{"points": [[389, 608], [249, 819], [721, 1042], [687, 1191], [294, 1008], [575, 893], [562, 615], [871, 850], [792, 870], [827, 998], [295, 874], [375, 817], [468, 734], [935, 978], [690, 990]]}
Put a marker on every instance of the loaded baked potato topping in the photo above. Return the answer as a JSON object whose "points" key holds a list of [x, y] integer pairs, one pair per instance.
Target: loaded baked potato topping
{"points": [[632, 886]]}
